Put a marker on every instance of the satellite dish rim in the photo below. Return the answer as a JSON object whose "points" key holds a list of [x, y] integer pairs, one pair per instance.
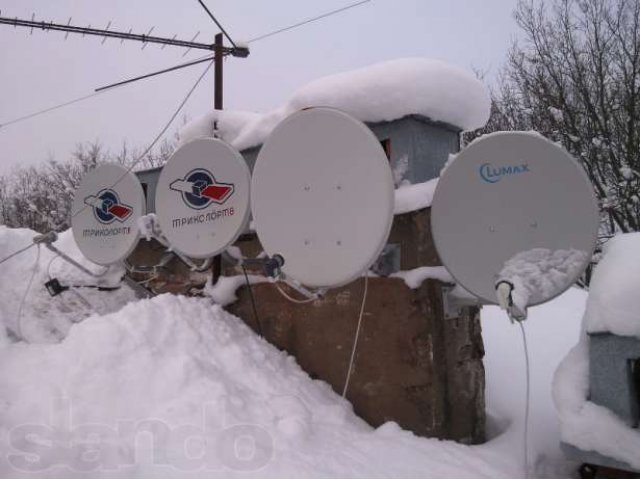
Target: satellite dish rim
{"points": [[245, 218], [594, 201], [125, 173], [388, 225]]}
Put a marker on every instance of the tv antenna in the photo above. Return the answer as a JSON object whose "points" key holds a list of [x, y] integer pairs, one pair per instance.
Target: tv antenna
{"points": [[217, 47]]}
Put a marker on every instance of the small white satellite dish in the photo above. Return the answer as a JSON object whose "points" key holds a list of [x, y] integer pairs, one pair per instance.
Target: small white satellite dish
{"points": [[322, 197], [105, 211], [515, 207], [202, 197]]}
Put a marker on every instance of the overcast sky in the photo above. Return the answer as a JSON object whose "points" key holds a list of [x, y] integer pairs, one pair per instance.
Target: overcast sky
{"points": [[43, 69]]}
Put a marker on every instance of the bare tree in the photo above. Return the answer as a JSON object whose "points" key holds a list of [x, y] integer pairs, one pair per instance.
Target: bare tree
{"points": [[41, 198], [575, 78]]}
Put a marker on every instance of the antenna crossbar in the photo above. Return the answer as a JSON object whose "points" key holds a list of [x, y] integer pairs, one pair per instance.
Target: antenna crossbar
{"points": [[17, 22]]}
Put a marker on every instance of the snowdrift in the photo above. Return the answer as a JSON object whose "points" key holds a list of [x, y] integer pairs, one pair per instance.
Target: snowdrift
{"points": [[176, 386]]}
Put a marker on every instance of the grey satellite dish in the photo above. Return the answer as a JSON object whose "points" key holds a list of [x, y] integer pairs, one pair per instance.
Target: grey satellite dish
{"points": [[322, 197], [202, 197], [514, 207], [105, 212]]}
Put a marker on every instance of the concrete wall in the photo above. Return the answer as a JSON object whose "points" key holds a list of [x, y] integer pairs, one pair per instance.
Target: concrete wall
{"points": [[413, 366]]}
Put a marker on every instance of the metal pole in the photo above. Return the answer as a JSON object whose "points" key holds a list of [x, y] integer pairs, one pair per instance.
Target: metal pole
{"points": [[216, 269], [218, 50]]}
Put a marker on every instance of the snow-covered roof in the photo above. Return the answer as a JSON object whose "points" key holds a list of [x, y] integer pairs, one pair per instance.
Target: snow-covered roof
{"points": [[381, 92], [614, 305]]}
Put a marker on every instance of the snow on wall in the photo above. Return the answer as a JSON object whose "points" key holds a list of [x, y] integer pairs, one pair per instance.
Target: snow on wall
{"points": [[414, 278], [409, 198], [584, 424], [614, 304], [381, 92]]}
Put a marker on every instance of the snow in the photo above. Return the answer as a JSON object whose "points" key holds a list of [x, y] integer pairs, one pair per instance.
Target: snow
{"points": [[45, 318], [175, 386], [614, 303], [224, 291], [612, 306], [409, 198], [584, 424], [540, 273], [381, 92], [552, 329], [414, 278]]}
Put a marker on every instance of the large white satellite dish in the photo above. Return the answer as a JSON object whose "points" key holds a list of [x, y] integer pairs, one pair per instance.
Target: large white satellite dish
{"points": [[515, 207], [202, 197], [322, 197], [105, 211]]}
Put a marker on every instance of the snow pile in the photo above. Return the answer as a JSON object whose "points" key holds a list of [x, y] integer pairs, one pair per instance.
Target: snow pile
{"points": [[614, 303], [414, 278], [540, 273], [381, 92], [44, 318], [175, 386], [393, 89], [409, 198], [612, 306]]}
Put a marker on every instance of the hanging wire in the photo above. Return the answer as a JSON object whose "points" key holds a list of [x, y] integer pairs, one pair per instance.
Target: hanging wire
{"points": [[355, 340], [253, 301], [24, 297], [49, 109], [309, 20], [108, 87], [16, 253], [91, 95], [162, 132], [527, 401], [217, 23], [290, 298]]}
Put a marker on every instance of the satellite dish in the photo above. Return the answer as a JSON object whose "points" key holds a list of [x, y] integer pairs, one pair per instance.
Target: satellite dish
{"points": [[202, 197], [322, 197], [514, 206], [105, 211]]}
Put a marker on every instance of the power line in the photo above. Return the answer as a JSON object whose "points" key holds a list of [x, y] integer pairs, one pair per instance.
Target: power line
{"points": [[91, 95], [290, 27], [217, 23], [195, 62], [49, 109], [309, 20]]}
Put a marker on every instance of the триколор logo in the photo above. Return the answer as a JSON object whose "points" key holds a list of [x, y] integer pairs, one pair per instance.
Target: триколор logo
{"points": [[199, 189], [107, 207]]}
